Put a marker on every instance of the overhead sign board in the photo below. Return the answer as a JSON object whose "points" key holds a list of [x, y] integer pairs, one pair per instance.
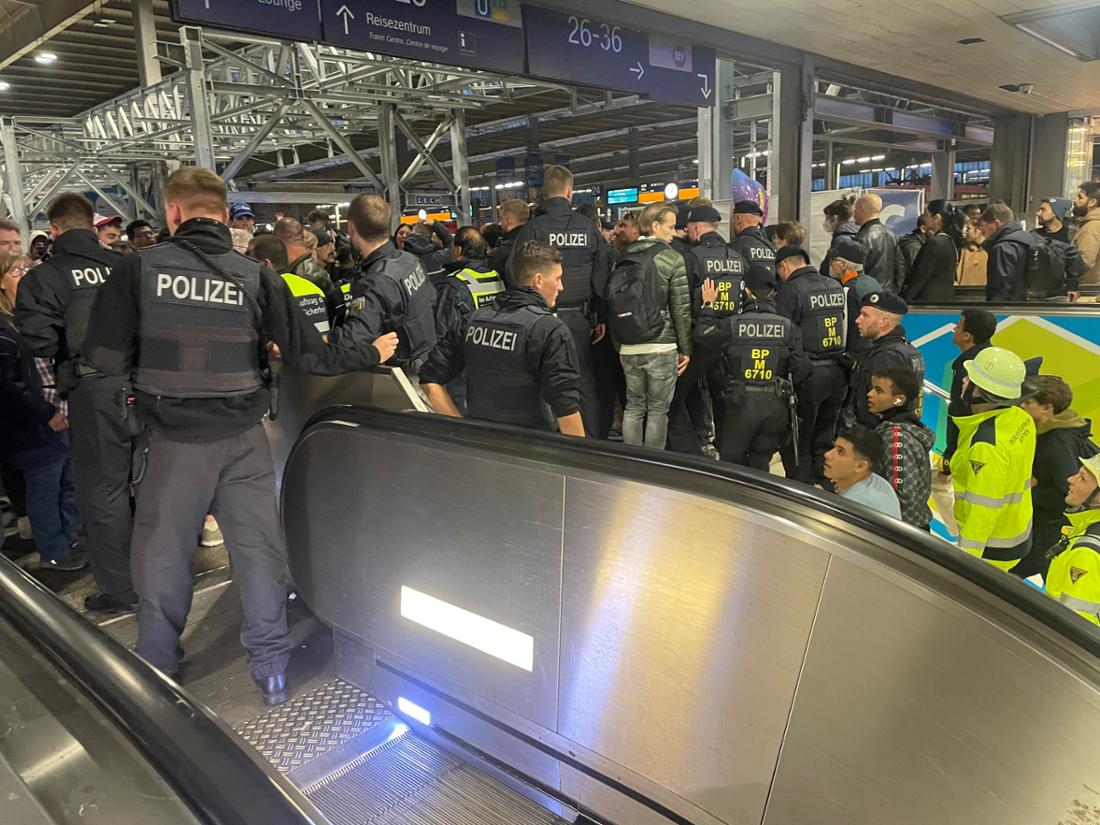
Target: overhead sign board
{"points": [[478, 34], [294, 19], [586, 50], [618, 196]]}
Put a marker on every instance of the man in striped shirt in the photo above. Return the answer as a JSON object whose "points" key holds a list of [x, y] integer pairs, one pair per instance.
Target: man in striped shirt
{"points": [[893, 398]]}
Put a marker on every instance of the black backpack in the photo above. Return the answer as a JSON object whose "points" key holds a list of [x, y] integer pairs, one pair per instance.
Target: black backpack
{"points": [[1053, 268], [637, 300]]}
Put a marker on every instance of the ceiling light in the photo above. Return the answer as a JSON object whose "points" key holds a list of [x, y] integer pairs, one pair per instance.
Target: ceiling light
{"points": [[45, 58], [103, 22], [4, 85], [849, 162], [878, 157], [866, 159]]}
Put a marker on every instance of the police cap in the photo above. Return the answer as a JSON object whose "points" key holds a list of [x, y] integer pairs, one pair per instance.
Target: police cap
{"points": [[682, 216], [748, 208], [850, 250], [886, 301], [760, 275], [704, 214], [789, 252]]}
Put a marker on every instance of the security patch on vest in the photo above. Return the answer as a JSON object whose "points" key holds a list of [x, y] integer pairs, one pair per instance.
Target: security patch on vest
{"points": [[1075, 573], [492, 338], [569, 240], [976, 466], [199, 290]]}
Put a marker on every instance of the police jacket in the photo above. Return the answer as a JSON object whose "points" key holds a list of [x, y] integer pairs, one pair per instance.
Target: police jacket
{"points": [[392, 293], [882, 253], [759, 346], [519, 358], [465, 287], [202, 312], [1009, 249], [433, 260], [586, 261], [1074, 575], [890, 350], [753, 245], [55, 299], [498, 258], [856, 285], [991, 474], [711, 257], [816, 305]]}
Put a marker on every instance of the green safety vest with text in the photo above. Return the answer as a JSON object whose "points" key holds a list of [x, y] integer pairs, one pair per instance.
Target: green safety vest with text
{"points": [[484, 287], [310, 299], [991, 473], [1074, 575]]}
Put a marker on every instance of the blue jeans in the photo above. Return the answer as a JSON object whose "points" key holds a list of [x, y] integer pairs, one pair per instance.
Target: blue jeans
{"points": [[650, 384], [51, 506]]}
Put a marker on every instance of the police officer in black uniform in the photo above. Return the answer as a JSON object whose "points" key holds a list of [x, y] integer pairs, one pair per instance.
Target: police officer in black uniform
{"points": [[748, 237], [52, 309], [391, 290], [518, 357], [816, 305], [762, 364], [709, 256], [587, 266], [879, 322], [187, 318], [467, 284]]}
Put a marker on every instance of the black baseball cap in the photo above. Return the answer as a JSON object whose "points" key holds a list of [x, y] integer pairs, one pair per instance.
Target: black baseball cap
{"points": [[704, 214], [748, 208]]}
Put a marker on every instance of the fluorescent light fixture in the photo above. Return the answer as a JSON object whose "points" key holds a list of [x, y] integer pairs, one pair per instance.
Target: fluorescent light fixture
{"points": [[696, 161], [497, 640], [4, 85], [878, 157], [413, 711], [849, 162], [866, 159], [45, 58]]}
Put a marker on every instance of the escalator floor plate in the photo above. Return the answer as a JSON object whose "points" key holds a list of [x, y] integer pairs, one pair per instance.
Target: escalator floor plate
{"points": [[411, 782], [309, 726]]}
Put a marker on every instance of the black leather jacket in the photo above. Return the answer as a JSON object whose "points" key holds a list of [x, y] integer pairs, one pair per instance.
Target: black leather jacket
{"points": [[882, 253]]}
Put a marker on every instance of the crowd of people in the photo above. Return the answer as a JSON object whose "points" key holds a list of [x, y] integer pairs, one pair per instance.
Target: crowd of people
{"points": [[142, 362]]}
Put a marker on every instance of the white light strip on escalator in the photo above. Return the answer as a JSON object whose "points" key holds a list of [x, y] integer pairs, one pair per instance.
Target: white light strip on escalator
{"points": [[504, 643]]}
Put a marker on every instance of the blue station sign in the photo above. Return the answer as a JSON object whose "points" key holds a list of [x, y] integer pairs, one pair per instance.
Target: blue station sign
{"points": [[292, 19]]}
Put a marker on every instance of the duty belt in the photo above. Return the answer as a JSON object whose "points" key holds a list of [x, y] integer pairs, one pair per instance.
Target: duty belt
{"points": [[769, 388]]}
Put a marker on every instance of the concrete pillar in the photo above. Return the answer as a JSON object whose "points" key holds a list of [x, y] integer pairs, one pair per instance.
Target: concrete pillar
{"points": [[943, 173], [794, 142], [459, 166], [145, 37], [387, 145], [14, 173], [1010, 162], [191, 39], [1048, 160]]}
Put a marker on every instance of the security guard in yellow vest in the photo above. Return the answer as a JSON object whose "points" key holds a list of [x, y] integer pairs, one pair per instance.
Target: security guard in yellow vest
{"points": [[310, 298], [991, 469], [1074, 576]]}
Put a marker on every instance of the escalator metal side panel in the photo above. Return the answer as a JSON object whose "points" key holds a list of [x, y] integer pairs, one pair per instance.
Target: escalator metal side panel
{"points": [[693, 638]]}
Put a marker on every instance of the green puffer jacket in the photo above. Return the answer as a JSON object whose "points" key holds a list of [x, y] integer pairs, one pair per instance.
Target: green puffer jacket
{"points": [[670, 266]]}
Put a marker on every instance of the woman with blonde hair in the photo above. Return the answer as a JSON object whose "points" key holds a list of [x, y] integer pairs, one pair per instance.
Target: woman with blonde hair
{"points": [[34, 437]]}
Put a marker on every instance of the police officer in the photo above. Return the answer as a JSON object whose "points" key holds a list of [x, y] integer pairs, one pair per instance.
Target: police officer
{"points": [[186, 319], [390, 290], [1074, 576], [468, 284], [587, 267], [749, 239], [816, 306], [763, 360], [879, 321], [52, 308], [271, 252], [709, 256], [518, 357]]}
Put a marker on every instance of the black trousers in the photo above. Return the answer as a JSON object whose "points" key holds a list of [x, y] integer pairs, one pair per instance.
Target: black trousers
{"points": [[101, 454], [696, 404], [610, 384], [15, 488], [581, 330], [819, 400], [1044, 535], [754, 425], [234, 479]]}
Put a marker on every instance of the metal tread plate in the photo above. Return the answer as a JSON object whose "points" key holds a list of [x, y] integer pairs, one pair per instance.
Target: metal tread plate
{"points": [[411, 782], [311, 725]]}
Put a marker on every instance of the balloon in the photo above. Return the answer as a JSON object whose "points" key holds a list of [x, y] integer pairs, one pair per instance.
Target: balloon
{"points": [[744, 188]]}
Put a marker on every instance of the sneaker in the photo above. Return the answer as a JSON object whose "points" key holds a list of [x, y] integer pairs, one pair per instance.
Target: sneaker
{"points": [[108, 603], [211, 534], [710, 451], [24, 524], [71, 562]]}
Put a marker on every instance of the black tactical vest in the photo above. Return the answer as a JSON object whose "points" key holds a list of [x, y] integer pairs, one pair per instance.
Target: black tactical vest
{"points": [[416, 334], [726, 268], [759, 354], [199, 332], [499, 387], [85, 274], [754, 247], [573, 237], [823, 317]]}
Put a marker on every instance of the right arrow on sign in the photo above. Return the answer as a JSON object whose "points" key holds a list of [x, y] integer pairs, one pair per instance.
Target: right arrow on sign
{"points": [[638, 69], [345, 12], [705, 88]]}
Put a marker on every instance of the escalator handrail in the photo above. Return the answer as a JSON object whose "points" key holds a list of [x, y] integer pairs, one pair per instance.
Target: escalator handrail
{"points": [[217, 775], [687, 473]]}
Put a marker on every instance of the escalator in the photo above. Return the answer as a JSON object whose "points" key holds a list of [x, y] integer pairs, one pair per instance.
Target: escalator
{"points": [[531, 630]]}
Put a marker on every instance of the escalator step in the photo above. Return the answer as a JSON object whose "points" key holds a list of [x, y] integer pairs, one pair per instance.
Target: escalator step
{"points": [[410, 782]]}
